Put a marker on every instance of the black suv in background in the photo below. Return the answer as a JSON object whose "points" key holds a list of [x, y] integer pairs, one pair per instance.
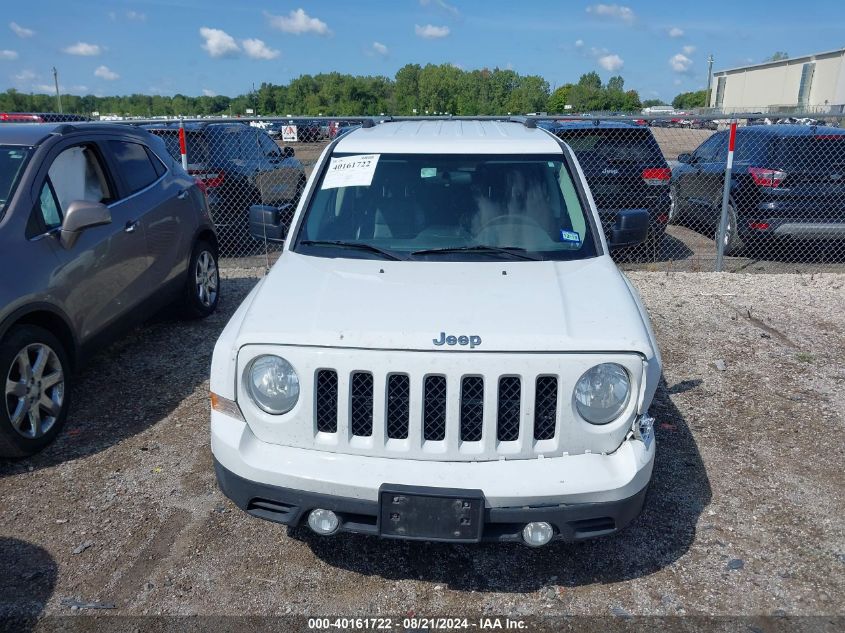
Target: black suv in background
{"points": [[625, 169], [239, 166], [788, 182]]}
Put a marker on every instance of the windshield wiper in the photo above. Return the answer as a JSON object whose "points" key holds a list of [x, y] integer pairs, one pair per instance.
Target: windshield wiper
{"points": [[513, 251], [359, 245]]}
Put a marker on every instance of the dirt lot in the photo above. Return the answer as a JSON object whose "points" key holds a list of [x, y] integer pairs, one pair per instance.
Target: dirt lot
{"points": [[745, 514]]}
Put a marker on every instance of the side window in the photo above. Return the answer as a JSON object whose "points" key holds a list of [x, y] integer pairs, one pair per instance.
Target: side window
{"points": [[708, 152], [51, 214], [78, 174], [156, 161], [134, 164], [268, 146]]}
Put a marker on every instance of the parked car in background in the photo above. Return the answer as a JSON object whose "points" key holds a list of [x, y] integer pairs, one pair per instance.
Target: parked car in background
{"points": [[340, 127], [788, 182], [239, 166], [40, 117], [99, 228], [625, 169]]}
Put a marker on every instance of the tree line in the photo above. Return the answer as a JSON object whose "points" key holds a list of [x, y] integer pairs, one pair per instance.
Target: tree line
{"points": [[415, 89]]}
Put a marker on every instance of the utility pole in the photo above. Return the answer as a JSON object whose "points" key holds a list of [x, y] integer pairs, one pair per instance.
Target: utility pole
{"points": [[709, 78], [58, 94]]}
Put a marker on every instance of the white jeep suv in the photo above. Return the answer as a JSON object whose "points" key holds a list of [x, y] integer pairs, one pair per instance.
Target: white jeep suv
{"points": [[444, 350]]}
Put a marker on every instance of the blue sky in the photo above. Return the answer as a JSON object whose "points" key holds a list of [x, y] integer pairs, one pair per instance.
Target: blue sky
{"points": [[222, 47]]}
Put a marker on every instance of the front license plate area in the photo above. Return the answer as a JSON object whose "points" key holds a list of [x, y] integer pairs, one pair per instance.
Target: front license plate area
{"points": [[431, 514]]}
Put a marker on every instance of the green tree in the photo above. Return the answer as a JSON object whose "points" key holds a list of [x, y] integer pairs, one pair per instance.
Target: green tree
{"points": [[777, 56], [689, 100], [559, 99], [616, 83]]}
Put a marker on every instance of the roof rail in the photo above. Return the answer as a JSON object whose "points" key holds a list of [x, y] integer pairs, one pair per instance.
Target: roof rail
{"points": [[64, 128]]}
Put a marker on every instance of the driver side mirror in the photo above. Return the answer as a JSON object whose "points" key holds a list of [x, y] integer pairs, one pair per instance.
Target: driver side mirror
{"points": [[630, 228], [288, 152], [270, 223], [687, 159], [81, 215]]}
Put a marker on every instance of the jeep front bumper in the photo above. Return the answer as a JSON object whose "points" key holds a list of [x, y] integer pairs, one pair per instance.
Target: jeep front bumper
{"points": [[581, 496]]}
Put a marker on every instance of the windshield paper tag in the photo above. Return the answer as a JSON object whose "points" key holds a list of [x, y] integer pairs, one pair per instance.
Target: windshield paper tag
{"points": [[351, 171], [570, 237]]}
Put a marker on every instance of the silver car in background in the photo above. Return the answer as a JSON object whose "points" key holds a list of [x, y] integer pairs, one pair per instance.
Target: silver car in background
{"points": [[99, 229]]}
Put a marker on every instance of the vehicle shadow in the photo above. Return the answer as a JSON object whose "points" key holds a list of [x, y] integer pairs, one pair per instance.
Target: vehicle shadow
{"points": [[26, 584], [136, 382], [679, 492], [669, 248]]}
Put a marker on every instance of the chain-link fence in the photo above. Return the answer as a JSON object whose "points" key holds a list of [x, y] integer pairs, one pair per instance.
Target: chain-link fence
{"points": [[784, 210]]}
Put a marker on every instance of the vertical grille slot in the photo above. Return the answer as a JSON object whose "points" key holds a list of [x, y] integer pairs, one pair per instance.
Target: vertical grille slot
{"points": [[398, 406], [434, 408], [545, 408], [361, 395], [326, 401], [507, 423], [472, 408]]}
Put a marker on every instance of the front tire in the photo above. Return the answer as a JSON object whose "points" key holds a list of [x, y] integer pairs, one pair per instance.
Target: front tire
{"points": [[35, 369], [202, 288]]}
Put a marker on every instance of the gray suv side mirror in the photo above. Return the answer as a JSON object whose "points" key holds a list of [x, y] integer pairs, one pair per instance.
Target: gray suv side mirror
{"points": [[81, 215]]}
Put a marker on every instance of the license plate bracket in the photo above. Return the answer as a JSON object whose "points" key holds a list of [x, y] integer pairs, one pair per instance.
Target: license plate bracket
{"points": [[431, 514]]}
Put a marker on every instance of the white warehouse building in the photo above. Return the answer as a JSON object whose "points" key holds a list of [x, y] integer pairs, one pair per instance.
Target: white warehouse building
{"points": [[812, 82]]}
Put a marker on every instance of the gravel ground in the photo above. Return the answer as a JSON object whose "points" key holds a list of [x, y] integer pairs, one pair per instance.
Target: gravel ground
{"points": [[744, 515]]}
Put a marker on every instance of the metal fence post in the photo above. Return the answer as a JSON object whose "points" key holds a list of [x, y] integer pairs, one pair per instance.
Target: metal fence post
{"points": [[183, 146], [726, 194]]}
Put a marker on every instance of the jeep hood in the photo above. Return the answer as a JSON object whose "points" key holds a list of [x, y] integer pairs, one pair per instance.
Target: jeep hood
{"points": [[521, 306]]}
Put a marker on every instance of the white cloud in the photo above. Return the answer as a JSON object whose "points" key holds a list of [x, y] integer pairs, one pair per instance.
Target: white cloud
{"points": [[208, 93], [579, 43], [380, 49], [257, 49], [7, 54], [298, 22], [611, 62], [25, 75], [680, 63], [676, 32], [136, 16], [21, 31], [84, 49], [51, 89], [688, 50], [443, 5], [431, 32], [677, 82], [613, 11], [219, 43], [104, 72]]}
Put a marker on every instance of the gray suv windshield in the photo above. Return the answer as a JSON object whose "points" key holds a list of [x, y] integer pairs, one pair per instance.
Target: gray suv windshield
{"points": [[12, 161], [447, 207]]}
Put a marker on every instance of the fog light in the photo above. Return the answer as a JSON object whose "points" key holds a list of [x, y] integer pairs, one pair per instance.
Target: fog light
{"points": [[537, 533], [323, 522]]}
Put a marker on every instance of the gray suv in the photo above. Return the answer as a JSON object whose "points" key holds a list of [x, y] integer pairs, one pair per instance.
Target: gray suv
{"points": [[99, 229]]}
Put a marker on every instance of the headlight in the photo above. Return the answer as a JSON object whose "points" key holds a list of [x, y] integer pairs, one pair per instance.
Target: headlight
{"points": [[602, 393], [272, 384]]}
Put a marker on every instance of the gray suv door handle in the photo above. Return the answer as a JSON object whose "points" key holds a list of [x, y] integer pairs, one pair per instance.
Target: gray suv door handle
{"points": [[130, 227], [182, 194]]}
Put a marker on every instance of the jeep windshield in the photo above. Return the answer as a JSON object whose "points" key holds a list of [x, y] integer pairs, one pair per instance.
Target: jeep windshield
{"points": [[12, 161], [436, 207]]}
